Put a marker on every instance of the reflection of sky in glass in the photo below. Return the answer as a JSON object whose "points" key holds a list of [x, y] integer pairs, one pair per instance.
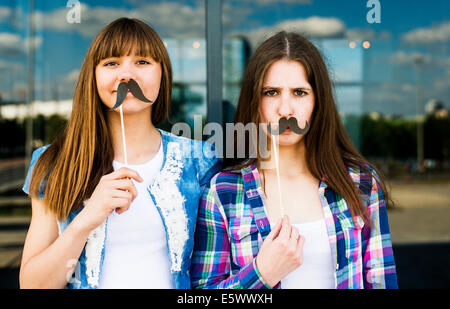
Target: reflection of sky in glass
{"points": [[345, 63], [349, 100], [192, 109], [188, 58], [385, 72]]}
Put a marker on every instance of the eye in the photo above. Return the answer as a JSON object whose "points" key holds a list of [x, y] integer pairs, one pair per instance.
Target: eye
{"points": [[270, 93], [143, 62], [300, 93], [109, 63]]}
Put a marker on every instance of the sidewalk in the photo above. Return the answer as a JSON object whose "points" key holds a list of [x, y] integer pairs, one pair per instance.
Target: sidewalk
{"points": [[421, 212]]}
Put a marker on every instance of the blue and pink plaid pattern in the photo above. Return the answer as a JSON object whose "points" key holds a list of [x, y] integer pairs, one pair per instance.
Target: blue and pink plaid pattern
{"points": [[232, 224]]}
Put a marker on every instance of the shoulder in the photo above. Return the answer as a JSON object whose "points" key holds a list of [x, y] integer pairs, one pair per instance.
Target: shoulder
{"points": [[368, 181], [200, 156], [170, 137], [39, 151], [224, 178], [37, 154], [188, 146], [226, 183]]}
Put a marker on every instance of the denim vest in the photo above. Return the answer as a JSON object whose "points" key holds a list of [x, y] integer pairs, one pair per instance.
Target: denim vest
{"points": [[187, 167]]}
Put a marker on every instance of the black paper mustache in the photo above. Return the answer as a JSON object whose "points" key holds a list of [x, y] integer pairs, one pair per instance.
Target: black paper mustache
{"points": [[290, 123], [134, 88]]}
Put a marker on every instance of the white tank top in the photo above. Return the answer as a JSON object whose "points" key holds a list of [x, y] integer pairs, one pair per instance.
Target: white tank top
{"points": [[317, 270], [135, 247]]}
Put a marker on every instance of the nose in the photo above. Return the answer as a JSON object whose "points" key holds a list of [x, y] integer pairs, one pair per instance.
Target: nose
{"points": [[285, 107], [125, 77], [126, 72]]}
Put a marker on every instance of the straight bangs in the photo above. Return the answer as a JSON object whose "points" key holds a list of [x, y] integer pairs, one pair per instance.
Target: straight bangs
{"points": [[124, 38]]}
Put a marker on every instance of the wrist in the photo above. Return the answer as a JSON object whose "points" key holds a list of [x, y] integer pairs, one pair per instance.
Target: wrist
{"points": [[79, 227], [265, 275]]}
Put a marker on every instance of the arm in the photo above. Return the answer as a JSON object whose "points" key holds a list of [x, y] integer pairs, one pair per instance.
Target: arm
{"points": [[211, 257], [47, 260], [378, 265]]}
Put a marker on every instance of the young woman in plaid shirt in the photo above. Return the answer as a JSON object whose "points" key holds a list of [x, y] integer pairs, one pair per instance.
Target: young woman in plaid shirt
{"points": [[335, 231]]}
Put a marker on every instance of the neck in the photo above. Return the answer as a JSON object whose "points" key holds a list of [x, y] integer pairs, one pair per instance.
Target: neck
{"points": [[142, 138]]}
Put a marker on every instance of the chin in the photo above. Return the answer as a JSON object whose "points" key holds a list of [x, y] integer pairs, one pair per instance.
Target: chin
{"points": [[289, 139]]}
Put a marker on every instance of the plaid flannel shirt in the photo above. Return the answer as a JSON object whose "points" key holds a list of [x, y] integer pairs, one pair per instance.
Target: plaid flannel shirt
{"points": [[232, 224]]}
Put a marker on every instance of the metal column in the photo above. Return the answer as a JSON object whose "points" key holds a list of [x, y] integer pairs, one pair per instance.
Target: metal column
{"points": [[213, 12]]}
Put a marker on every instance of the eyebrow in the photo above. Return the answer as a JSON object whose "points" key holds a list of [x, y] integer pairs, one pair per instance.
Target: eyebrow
{"points": [[279, 88], [134, 56]]}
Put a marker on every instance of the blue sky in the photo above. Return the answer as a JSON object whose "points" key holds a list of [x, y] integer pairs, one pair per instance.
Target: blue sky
{"points": [[407, 29]]}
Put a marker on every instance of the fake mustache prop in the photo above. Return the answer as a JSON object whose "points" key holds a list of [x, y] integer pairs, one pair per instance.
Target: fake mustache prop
{"points": [[134, 88], [290, 123]]}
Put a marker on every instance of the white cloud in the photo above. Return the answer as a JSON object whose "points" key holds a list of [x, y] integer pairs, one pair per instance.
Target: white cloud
{"points": [[313, 27], [403, 58], [268, 2], [5, 12], [360, 34], [92, 19], [11, 44], [9, 41], [8, 65], [72, 76], [433, 34], [169, 19], [13, 16]]}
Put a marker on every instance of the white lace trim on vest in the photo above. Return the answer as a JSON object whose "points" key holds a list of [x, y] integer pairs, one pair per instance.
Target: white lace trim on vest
{"points": [[94, 247], [171, 203]]}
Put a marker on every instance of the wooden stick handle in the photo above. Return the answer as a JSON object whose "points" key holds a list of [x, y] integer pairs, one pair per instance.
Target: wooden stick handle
{"points": [[123, 137], [278, 174]]}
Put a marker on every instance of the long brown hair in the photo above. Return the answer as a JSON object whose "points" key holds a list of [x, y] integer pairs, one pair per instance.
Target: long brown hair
{"points": [[326, 135], [73, 164]]}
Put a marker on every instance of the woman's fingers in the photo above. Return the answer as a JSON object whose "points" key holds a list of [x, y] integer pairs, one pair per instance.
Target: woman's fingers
{"points": [[300, 244], [275, 231], [125, 172], [294, 236], [120, 204], [125, 185], [285, 232], [123, 194]]}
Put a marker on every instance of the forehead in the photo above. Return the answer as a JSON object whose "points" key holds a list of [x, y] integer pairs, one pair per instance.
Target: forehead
{"points": [[129, 45], [286, 73]]}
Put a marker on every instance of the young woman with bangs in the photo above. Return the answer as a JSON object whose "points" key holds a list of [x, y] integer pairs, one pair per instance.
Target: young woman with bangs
{"points": [[97, 223], [334, 232]]}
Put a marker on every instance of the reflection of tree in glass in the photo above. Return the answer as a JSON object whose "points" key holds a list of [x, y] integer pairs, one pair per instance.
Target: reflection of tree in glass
{"points": [[45, 129], [55, 125], [12, 138]]}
